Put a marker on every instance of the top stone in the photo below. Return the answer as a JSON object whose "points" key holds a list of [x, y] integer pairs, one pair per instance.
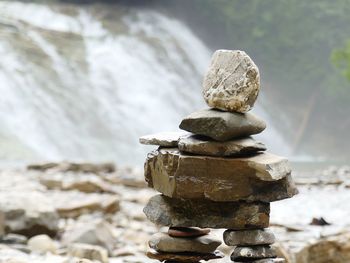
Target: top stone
{"points": [[232, 82]]}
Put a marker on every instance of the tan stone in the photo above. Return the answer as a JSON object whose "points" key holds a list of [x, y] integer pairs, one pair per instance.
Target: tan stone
{"points": [[164, 139], [263, 177], [166, 211], [232, 82], [88, 252]]}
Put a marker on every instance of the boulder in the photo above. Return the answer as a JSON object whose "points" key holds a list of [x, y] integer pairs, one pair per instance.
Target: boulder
{"points": [[222, 126], [183, 257], [28, 213], [262, 177], [42, 244], [232, 82], [203, 213], [162, 242], [249, 237], [201, 145], [163, 139], [88, 252], [252, 253], [94, 233]]}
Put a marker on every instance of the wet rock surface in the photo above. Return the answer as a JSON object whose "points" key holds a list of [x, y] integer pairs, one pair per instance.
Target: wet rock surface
{"points": [[232, 82], [262, 177], [222, 126]]}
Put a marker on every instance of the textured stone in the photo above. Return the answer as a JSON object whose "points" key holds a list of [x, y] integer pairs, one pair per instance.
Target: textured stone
{"points": [[201, 145], [262, 177], [162, 242], [222, 126], [164, 139], [88, 252], [183, 257], [251, 253], [187, 231], [232, 82], [167, 211], [249, 237]]}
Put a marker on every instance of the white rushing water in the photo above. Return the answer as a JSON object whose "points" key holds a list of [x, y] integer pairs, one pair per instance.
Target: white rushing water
{"points": [[83, 83]]}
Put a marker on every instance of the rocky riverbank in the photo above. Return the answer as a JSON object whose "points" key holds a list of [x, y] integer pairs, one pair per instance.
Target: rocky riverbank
{"points": [[64, 212]]}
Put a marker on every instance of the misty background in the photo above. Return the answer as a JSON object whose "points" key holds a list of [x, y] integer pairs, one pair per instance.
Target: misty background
{"points": [[82, 80]]}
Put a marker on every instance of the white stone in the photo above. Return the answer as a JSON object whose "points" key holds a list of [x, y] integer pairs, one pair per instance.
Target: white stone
{"points": [[232, 82]]}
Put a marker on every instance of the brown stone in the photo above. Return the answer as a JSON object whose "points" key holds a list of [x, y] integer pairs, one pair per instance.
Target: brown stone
{"points": [[184, 257], [187, 231], [203, 213], [262, 177]]}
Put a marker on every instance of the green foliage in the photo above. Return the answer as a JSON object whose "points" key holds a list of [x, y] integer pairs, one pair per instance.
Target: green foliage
{"points": [[341, 59]]}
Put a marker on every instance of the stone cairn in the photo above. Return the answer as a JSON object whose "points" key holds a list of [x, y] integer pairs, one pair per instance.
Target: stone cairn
{"points": [[217, 176]]}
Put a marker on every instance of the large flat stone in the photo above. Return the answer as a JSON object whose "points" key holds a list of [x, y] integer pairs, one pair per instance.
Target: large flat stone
{"points": [[201, 145], [222, 126], [162, 242], [183, 257], [232, 82], [263, 177], [265, 260], [249, 237], [164, 139], [167, 211]]}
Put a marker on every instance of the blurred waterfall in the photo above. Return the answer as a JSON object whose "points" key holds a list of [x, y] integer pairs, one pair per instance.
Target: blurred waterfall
{"points": [[83, 83]]}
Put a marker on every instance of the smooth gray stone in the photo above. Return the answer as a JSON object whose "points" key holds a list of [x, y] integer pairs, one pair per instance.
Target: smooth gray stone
{"points": [[164, 139], [162, 242], [249, 237], [222, 126], [247, 253], [201, 145], [165, 211], [232, 82]]}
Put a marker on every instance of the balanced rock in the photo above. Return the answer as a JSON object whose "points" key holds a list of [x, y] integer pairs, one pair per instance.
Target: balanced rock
{"points": [[262, 177], [162, 242], [167, 211], [249, 237], [187, 231], [222, 126], [232, 82], [265, 260], [163, 139], [201, 145], [183, 257], [253, 252]]}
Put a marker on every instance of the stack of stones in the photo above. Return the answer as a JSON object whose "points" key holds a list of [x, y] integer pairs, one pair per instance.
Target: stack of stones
{"points": [[217, 176]]}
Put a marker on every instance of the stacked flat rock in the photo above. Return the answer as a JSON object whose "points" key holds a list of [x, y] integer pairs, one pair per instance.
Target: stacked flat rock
{"points": [[217, 175]]}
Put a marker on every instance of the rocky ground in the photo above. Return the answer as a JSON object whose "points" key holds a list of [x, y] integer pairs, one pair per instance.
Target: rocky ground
{"points": [[64, 212]]}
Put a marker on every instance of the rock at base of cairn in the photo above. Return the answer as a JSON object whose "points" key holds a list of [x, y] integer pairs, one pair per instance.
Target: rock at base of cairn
{"points": [[183, 257], [166, 211], [162, 242], [247, 254], [222, 126], [249, 237]]}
